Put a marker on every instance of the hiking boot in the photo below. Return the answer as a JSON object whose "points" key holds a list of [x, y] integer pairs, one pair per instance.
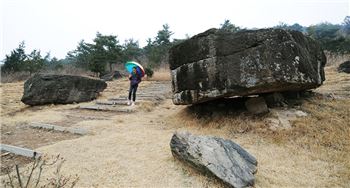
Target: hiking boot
{"points": [[129, 102]]}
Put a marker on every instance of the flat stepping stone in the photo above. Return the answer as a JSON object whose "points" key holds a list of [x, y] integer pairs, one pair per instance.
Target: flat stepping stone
{"points": [[138, 98], [147, 94], [78, 131], [86, 117], [117, 99], [148, 97], [19, 151], [107, 108], [111, 102], [156, 89]]}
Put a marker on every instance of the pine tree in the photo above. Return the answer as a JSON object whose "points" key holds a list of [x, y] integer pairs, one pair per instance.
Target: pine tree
{"points": [[16, 60]]}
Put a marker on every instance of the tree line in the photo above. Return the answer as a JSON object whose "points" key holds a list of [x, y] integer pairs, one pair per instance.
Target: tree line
{"points": [[98, 56], [106, 50], [19, 61], [332, 37]]}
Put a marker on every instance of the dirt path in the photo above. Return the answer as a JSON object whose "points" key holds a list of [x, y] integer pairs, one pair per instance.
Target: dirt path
{"points": [[132, 149], [132, 152], [135, 153]]}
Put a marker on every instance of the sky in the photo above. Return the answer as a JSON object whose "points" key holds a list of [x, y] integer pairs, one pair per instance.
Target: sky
{"points": [[56, 26]]}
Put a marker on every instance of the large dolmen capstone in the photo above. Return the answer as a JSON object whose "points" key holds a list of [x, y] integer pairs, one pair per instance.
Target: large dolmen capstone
{"points": [[60, 89], [218, 63], [215, 156]]}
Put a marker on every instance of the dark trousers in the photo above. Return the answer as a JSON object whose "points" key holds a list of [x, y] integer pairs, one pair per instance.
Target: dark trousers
{"points": [[132, 90]]}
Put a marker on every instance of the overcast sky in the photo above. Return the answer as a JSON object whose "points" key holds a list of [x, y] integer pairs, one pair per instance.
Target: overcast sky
{"points": [[57, 26]]}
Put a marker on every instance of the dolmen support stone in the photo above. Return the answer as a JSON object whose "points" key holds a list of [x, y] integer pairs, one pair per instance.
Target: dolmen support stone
{"points": [[60, 89], [215, 156], [217, 64]]}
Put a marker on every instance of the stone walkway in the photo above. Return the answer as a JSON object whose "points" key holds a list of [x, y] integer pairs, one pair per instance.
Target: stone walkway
{"points": [[153, 93]]}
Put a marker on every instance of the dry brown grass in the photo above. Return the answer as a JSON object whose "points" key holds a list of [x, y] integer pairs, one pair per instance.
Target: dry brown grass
{"points": [[325, 132], [334, 59], [132, 150], [14, 77], [336, 83], [146, 106], [115, 88], [70, 70], [314, 152], [66, 69], [162, 74], [11, 94]]}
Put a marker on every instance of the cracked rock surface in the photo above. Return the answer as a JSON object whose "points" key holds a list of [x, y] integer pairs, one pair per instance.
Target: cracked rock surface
{"points": [[60, 89], [222, 158], [217, 64]]}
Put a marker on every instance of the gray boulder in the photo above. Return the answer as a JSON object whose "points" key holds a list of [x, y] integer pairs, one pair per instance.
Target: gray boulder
{"points": [[222, 158], [274, 99], [217, 64], [112, 75], [60, 89], [344, 67], [256, 105]]}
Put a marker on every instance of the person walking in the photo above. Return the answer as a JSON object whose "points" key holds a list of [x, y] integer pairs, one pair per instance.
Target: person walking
{"points": [[135, 79]]}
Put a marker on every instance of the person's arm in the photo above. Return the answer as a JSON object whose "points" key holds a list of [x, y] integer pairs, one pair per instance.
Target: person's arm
{"points": [[139, 79], [130, 76]]}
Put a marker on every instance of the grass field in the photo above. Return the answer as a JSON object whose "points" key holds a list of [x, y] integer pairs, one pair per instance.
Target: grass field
{"points": [[132, 150]]}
